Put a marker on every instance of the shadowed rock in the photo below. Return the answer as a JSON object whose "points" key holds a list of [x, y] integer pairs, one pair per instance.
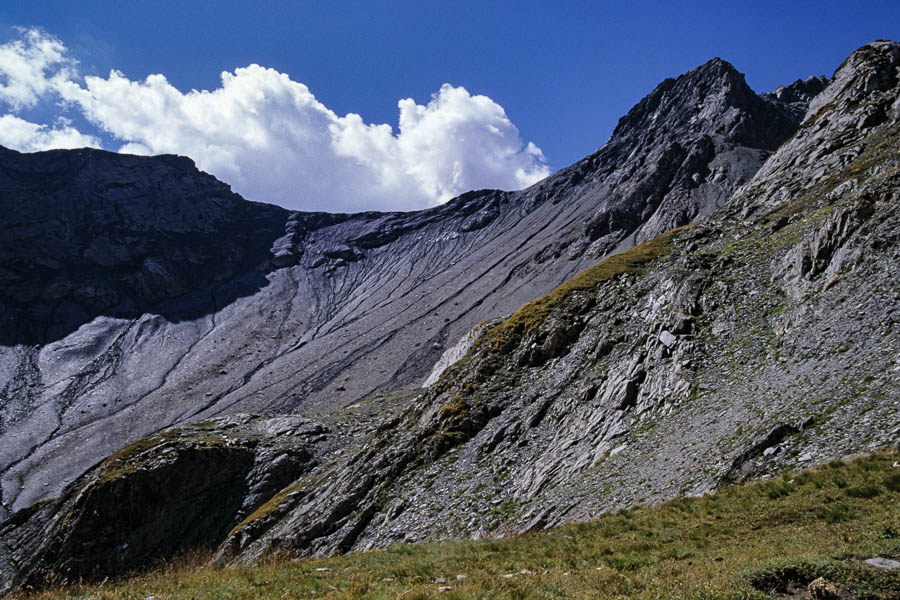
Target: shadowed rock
{"points": [[178, 490]]}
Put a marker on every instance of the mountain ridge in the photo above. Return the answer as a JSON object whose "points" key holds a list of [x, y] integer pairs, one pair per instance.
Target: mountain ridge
{"points": [[695, 358], [338, 307]]}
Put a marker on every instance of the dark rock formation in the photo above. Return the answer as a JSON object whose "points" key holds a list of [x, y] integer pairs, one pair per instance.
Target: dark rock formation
{"points": [[176, 490], [88, 233]]}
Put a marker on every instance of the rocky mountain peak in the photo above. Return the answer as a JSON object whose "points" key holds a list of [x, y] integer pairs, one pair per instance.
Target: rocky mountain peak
{"points": [[795, 98], [712, 99], [862, 95], [682, 151], [802, 90], [872, 70], [719, 75]]}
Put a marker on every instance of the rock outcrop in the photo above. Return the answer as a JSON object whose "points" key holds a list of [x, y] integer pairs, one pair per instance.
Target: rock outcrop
{"points": [[89, 233], [138, 293], [179, 489]]}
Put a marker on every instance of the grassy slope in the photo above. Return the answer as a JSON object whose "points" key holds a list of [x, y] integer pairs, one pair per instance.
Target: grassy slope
{"points": [[534, 313], [778, 534]]}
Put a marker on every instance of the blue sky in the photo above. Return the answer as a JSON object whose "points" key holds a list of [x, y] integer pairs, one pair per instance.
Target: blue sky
{"points": [[563, 73]]}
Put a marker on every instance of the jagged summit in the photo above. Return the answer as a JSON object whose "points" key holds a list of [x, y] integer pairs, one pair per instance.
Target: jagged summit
{"points": [[802, 90], [712, 99], [702, 133], [861, 96], [796, 97]]}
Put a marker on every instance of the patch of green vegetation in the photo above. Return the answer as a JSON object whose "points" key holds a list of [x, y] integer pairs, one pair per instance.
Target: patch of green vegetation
{"points": [[818, 115], [880, 148], [135, 455], [127, 459], [892, 482], [507, 508], [780, 489], [836, 512], [776, 310], [266, 509], [863, 491], [533, 314], [646, 425], [743, 542], [454, 410]]}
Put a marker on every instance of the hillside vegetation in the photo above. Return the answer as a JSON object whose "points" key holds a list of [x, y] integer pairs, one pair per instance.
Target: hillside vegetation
{"points": [[767, 539]]}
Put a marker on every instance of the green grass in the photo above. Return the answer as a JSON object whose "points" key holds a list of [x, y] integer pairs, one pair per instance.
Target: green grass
{"points": [[743, 542], [128, 459], [533, 314], [267, 508]]}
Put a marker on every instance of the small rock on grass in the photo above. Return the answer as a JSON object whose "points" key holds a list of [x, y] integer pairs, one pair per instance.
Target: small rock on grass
{"points": [[883, 563]]}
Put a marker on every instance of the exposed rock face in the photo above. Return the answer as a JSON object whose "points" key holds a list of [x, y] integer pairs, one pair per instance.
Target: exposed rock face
{"points": [[760, 339], [703, 133], [88, 233], [861, 97], [797, 96], [458, 351], [178, 489], [139, 293]]}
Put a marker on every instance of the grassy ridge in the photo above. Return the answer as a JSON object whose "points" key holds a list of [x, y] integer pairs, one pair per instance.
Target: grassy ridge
{"points": [[743, 542], [534, 313]]}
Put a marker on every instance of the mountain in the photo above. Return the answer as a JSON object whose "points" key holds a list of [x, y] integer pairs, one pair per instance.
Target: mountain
{"points": [[138, 293], [756, 339]]}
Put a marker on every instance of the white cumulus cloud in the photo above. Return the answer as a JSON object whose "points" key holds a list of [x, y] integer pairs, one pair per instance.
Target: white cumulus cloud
{"points": [[31, 67], [25, 136], [272, 140]]}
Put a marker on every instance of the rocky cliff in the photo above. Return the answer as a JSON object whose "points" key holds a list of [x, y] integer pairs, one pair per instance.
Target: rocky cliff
{"points": [[138, 293], [694, 358]]}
